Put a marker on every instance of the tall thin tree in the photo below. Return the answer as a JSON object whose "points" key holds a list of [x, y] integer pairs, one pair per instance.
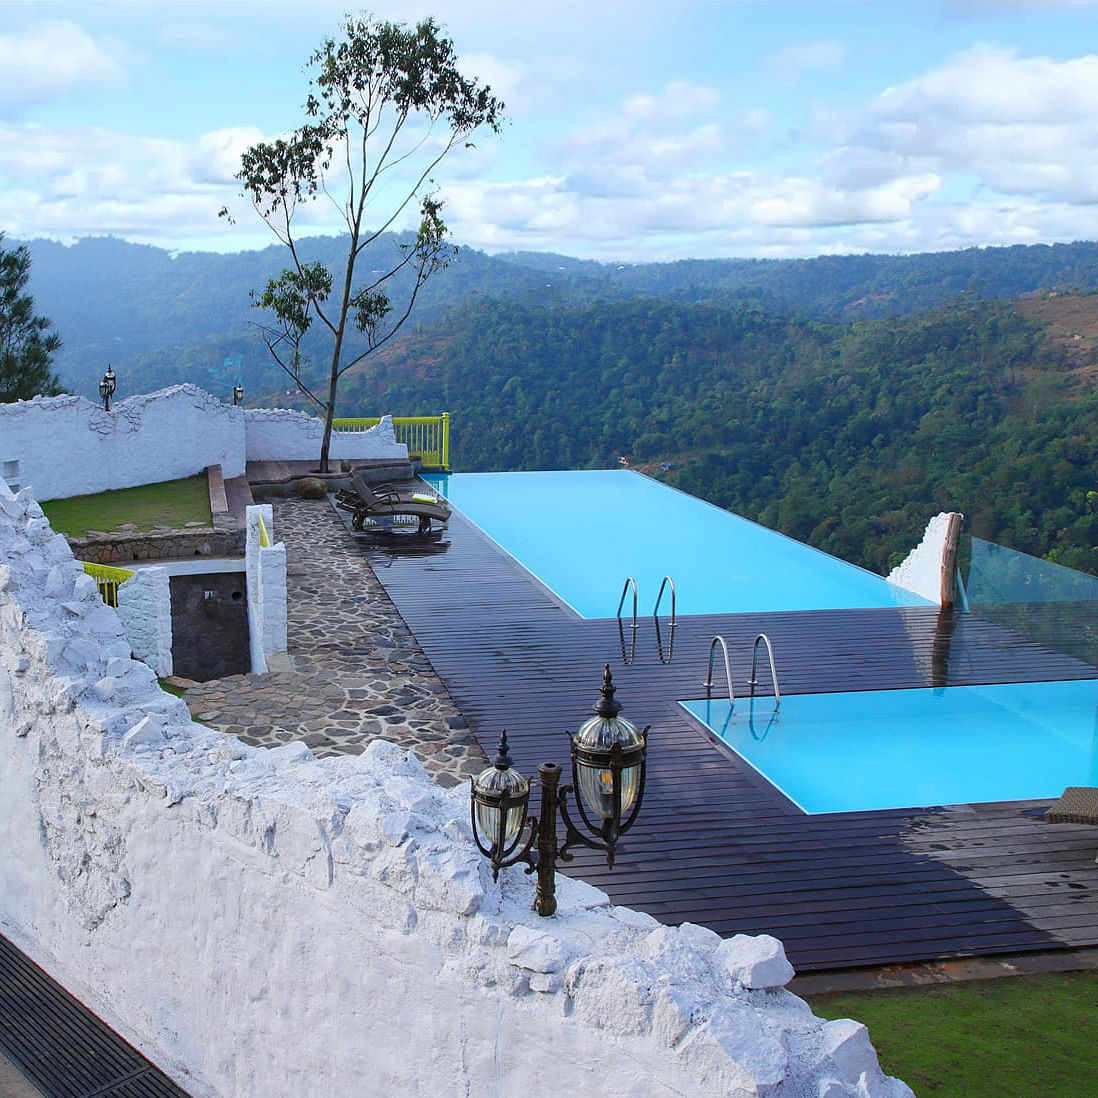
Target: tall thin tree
{"points": [[387, 103]]}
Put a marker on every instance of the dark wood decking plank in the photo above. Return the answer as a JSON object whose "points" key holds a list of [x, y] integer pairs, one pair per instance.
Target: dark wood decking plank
{"points": [[715, 843]]}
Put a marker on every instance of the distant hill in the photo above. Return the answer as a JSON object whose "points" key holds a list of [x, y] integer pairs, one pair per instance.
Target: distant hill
{"points": [[160, 317]]}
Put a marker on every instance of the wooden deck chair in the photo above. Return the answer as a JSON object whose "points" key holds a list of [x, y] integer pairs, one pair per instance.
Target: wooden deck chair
{"points": [[366, 501]]}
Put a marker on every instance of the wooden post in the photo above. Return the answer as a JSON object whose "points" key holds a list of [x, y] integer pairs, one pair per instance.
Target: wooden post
{"points": [[949, 559]]}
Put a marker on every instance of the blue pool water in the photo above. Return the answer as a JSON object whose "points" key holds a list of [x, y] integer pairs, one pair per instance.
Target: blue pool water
{"points": [[583, 533], [882, 749]]}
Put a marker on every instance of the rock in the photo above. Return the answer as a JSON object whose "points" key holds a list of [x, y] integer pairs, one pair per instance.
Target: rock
{"points": [[311, 488], [756, 962]]}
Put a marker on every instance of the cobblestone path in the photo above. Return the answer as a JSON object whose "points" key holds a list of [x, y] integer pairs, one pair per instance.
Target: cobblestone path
{"points": [[356, 672]]}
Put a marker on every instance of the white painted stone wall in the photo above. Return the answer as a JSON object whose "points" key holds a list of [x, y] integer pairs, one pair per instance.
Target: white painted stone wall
{"points": [[145, 611], [68, 446], [921, 569], [283, 435], [266, 923], [265, 566]]}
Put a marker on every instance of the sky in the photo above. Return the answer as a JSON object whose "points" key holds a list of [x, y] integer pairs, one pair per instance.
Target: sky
{"points": [[647, 130]]}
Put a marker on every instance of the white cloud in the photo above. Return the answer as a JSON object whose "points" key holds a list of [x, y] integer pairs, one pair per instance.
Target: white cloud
{"points": [[216, 156], [992, 84], [49, 60], [1018, 126], [86, 182]]}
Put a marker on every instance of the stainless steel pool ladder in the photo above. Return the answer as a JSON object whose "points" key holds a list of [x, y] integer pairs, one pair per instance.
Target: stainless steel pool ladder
{"points": [[667, 582], [628, 656], [718, 639], [753, 681]]}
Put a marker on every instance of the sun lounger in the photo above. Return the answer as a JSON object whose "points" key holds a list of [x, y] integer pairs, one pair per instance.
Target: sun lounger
{"points": [[1078, 805], [380, 501]]}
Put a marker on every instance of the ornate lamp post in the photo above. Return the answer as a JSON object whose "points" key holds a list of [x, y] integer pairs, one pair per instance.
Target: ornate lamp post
{"points": [[107, 387], [608, 770], [238, 394]]}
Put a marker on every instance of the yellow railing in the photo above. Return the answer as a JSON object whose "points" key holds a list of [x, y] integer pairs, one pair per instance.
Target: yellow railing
{"points": [[427, 437], [264, 537], [108, 580]]}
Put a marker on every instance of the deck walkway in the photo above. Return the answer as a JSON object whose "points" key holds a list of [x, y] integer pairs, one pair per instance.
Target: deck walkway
{"points": [[714, 843]]}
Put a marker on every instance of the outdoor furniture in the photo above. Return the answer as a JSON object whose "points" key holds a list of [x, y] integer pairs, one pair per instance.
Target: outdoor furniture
{"points": [[1078, 805], [380, 501]]}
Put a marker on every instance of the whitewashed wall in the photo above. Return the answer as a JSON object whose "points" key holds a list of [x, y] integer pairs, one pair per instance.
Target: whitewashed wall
{"points": [[266, 923], [921, 570], [145, 611], [282, 435], [265, 567], [69, 446]]}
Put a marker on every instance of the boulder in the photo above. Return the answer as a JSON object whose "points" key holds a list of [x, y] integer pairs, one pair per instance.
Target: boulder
{"points": [[311, 488]]}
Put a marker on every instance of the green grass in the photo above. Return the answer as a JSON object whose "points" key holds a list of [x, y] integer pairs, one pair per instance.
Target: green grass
{"points": [[1024, 1036], [173, 503]]}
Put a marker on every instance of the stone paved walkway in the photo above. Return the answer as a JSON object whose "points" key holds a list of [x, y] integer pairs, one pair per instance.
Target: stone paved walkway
{"points": [[356, 672]]}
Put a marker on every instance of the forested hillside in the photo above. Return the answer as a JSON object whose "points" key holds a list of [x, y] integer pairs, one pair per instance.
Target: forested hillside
{"points": [[161, 319], [842, 400], [847, 436]]}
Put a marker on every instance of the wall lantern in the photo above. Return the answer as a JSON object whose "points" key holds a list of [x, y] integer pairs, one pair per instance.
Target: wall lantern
{"points": [[608, 770], [238, 394], [107, 387]]}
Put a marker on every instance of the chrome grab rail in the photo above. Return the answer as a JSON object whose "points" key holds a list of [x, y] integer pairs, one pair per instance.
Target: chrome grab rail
{"points": [[727, 668], [752, 682], [630, 582], [667, 580]]}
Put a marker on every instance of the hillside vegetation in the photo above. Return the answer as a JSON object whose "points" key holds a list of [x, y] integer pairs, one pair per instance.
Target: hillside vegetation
{"points": [[842, 400], [847, 436]]}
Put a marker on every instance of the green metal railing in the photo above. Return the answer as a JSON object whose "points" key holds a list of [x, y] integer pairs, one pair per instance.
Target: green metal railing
{"points": [[108, 580], [427, 437]]}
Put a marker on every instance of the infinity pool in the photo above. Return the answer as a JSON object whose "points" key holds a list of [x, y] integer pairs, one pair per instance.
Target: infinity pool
{"points": [[582, 534], [880, 749]]}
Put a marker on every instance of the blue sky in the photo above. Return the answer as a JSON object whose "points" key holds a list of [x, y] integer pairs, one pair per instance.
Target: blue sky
{"points": [[646, 130]]}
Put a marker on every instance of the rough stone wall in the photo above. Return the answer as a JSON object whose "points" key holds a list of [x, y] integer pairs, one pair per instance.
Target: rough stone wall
{"points": [[282, 435], [210, 636], [124, 549], [145, 611], [261, 922], [68, 446]]}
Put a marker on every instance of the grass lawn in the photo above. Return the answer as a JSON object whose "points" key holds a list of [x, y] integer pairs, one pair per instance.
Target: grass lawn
{"points": [[1015, 1037], [173, 503]]}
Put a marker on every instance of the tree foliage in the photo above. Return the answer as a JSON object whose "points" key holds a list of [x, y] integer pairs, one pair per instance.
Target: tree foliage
{"points": [[386, 105], [848, 436], [27, 343]]}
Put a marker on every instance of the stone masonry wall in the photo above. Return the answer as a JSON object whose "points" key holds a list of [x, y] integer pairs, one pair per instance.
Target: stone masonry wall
{"points": [[68, 446], [261, 922]]}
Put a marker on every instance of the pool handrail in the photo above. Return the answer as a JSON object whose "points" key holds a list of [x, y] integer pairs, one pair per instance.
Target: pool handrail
{"points": [[629, 582], [659, 598], [727, 670], [753, 681]]}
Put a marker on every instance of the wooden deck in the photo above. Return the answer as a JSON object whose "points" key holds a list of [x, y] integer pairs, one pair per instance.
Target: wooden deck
{"points": [[714, 843]]}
